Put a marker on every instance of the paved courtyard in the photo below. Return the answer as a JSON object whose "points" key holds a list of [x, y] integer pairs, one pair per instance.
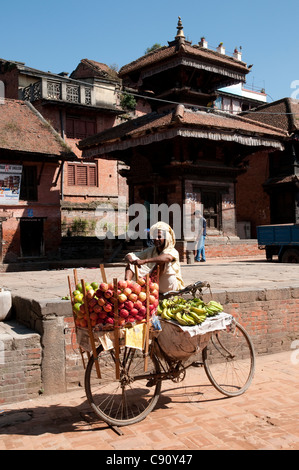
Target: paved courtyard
{"points": [[266, 417], [222, 274]]}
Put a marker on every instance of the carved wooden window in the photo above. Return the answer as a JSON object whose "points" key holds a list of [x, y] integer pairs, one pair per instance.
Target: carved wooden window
{"points": [[54, 90], [73, 93]]}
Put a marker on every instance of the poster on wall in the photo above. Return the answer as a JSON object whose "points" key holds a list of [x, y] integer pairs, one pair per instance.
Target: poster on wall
{"points": [[10, 183]]}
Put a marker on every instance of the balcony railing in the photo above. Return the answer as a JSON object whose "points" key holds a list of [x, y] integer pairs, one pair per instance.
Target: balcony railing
{"points": [[60, 91]]}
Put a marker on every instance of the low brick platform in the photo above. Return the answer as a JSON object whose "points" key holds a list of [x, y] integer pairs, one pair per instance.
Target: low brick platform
{"points": [[20, 363]]}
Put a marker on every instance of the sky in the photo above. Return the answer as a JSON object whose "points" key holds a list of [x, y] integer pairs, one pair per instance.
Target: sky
{"points": [[54, 36]]}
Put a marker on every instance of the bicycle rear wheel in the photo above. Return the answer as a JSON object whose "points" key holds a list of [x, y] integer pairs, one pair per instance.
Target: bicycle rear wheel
{"points": [[130, 398], [229, 360]]}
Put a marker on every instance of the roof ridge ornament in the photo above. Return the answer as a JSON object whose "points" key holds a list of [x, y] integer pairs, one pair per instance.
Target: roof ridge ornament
{"points": [[180, 38], [180, 32]]}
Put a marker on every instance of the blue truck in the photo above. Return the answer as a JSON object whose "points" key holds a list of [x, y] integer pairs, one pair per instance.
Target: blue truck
{"points": [[281, 240]]}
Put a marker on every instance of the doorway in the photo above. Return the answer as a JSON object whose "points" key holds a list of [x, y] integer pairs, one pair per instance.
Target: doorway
{"points": [[31, 237]]}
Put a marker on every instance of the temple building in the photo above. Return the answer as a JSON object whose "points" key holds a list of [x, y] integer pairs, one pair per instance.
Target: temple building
{"points": [[183, 149]]}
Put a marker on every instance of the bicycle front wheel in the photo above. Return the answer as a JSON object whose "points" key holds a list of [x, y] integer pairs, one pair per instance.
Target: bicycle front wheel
{"points": [[229, 360], [129, 399]]}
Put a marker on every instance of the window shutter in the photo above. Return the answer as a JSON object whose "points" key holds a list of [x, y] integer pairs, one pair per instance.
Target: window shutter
{"points": [[92, 175], [71, 176], [81, 175]]}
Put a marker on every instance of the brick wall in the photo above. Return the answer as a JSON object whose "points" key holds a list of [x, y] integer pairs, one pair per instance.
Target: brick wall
{"points": [[270, 316], [232, 249], [20, 363]]}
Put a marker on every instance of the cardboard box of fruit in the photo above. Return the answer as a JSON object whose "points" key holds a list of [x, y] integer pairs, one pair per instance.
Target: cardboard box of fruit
{"points": [[100, 300]]}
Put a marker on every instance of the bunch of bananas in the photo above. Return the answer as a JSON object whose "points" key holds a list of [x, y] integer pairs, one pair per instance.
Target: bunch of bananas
{"points": [[187, 312]]}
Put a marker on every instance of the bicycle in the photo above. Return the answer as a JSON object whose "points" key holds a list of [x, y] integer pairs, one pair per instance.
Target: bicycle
{"points": [[228, 360]]}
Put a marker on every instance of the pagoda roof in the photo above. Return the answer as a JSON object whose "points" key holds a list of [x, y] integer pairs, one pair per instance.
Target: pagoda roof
{"points": [[154, 127], [181, 51]]}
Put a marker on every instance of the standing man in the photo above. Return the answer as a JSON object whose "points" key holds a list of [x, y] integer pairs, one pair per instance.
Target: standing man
{"points": [[200, 253]]}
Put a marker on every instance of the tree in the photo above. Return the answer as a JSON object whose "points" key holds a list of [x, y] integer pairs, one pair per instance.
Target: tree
{"points": [[153, 48]]}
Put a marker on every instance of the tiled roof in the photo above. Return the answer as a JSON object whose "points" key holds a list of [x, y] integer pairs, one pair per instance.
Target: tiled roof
{"points": [[187, 119], [283, 114], [23, 129], [90, 68], [198, 52]]}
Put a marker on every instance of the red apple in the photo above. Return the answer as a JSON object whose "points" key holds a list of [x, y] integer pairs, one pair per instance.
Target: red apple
{"points": [[122, 284], [129, 305], [134, 312], [97, 308], [101, 302], [142, 311], [154, 286], [82, 308], [127, 291], [99, 294], [102, 315], [103, 286], [92, 302], [124, 313], [136, 288], [109, 321], [152, 299], [133, 297], [108, 294], [107, 308], [138, 304], [90, 293], [131, 319], [142, 296], [122, 297], [155, 293], [141, 281]]}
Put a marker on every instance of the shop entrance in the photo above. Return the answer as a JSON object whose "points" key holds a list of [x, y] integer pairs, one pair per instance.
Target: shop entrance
{"points": [[32, 237]]}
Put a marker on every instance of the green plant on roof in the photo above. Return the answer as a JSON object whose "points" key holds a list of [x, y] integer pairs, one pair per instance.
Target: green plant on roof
{"points": [[127, 101]]}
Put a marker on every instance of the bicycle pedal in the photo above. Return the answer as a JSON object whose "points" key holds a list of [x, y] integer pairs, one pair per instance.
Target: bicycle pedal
{"points": [[151, 383], [197, 364]]}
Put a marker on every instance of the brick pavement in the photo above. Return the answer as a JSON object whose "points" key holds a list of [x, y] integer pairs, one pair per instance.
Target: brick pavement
{"points": [[266, 417]]}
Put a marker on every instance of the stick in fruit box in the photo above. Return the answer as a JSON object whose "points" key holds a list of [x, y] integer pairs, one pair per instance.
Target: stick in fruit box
{"points": [[103, 273], [74, 317], [116, 329], [91, 337], [147, 325]]}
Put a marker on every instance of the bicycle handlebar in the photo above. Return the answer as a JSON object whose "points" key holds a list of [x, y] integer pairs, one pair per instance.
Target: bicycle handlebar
{"points": [[191, 288]]}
